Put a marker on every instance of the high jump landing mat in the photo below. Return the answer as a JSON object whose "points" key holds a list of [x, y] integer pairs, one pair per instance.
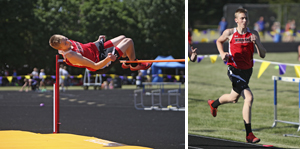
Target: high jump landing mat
{"points": [[14, 139]]}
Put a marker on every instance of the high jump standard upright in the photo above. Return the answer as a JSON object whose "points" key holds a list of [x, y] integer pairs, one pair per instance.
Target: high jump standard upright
{"points": [[56, 96]]}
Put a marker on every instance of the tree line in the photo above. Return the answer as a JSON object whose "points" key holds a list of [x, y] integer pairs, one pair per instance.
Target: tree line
{"points": [[156, 27]]}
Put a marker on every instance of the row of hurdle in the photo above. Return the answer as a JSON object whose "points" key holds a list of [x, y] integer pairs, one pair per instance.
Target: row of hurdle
{"points": [[156, 100]]}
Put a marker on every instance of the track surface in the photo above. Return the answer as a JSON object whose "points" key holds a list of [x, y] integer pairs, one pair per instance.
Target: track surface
{"points": [[105, 114], [199, 142]]}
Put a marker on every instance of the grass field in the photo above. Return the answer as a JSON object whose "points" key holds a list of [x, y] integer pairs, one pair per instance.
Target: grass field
{"points": [[210, 81]]}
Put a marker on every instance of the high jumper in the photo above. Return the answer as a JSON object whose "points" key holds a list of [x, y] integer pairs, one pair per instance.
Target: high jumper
{"points": [[98, 56]]}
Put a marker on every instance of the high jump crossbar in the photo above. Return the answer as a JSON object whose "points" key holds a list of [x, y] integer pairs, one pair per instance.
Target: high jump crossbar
{"points": [[56, 96], [140, 61], [287, 79]]}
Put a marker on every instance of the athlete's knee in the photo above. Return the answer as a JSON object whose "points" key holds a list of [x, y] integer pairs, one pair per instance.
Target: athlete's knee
{"points": [[249, 100], [128, 41], [234, 99], [122, 37]]}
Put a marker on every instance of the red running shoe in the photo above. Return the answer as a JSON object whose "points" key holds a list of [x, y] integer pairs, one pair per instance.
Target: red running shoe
{"points": [[141, 66], [213, 111], [251, 138], [124, 66]]}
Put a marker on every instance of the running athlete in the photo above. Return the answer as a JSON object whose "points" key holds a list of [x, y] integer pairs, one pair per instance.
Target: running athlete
{"points": [[240, 62], [98, 56]]}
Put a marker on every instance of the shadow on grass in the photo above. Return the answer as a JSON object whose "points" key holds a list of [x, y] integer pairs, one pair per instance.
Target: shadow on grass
{"points": [[271, 90], [269, 127], [203, 130], [195, 99]]}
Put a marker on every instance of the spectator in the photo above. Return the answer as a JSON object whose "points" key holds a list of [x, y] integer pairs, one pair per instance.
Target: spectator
{"points": [[139, 79], [42, 79], [111, 84], [35, 73], [276, 30], [259, 26], [61, 77], [15, 80], [222, 25], [66, 74], [6, 73], [293, 30], [288, 32], [104, 85], [29, 83]]}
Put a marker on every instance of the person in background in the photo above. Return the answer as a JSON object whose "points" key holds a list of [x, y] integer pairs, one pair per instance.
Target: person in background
{"points": [[259, 26], [66, 74], [42, 79], [61, 77], [222, 25], [15, 80], [29, 83]]}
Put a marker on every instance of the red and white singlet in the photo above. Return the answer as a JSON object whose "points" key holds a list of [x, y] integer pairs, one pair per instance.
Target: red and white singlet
{"points": [[241, 50], [88, 50]]}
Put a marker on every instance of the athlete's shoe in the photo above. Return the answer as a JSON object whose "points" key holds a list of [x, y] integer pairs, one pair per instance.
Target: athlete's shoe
{"points": [[213, 111], [251, 138], [141, 66], [124, 66]]}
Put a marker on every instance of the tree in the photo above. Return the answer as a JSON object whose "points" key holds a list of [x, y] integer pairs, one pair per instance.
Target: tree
{"points": [[16, 27], [156, 27]]}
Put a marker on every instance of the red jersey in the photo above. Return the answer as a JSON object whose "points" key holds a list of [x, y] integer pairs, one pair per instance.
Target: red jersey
{"points": [[241, 50], [88, 50]]}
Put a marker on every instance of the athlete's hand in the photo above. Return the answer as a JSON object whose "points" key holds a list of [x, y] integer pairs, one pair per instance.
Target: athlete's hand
{"points": [[111, 57], [225, 56], [102, 37], [194, 50], [253, 38]]}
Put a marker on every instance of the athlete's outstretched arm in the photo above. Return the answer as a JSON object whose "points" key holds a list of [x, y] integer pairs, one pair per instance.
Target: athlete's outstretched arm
{"points": [[224, 37], [192, 53], [260, 48], [78, 59]]}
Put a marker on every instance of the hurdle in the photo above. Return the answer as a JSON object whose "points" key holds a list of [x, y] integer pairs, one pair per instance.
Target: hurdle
{"points": [[87, 80], [56, 96], [141, 106], [287, 79], [156, 93], [173, 93], [156, 104], [162, 84]]}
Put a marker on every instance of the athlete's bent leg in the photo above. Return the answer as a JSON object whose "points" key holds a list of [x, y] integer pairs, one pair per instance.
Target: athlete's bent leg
{"points": [[116, 41], [229, 98], [127, 47], [226, 98]]}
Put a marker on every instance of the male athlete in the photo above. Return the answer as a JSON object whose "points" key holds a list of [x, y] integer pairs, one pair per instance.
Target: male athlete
{"points": [[97, 56], [240, 63]]}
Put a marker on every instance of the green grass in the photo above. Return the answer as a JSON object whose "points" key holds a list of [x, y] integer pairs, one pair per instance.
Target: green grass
{"points": [[210, 81]]}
